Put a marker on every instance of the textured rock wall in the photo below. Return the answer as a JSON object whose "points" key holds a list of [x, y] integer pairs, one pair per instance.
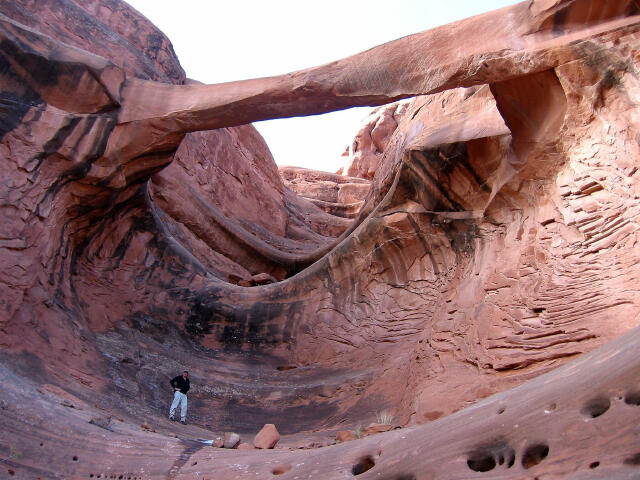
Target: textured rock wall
{"points": [[336, 194], [90, 246], [496, 241], [363, 156]]}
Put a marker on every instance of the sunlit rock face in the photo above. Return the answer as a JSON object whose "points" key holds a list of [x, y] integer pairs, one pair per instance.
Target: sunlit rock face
{"points": [[479, 282], [365, 153], [339, 195]]}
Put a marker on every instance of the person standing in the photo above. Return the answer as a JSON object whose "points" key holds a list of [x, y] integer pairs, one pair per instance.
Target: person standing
{"points": [[180, 386]]}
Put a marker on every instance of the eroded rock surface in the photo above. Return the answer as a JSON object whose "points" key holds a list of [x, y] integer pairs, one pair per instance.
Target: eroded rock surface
{"points": [[495, 247], [336, 194], [364, 155]]}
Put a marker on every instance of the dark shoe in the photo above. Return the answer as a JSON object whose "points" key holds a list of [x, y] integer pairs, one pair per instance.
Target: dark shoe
{"points": [[172, 419], [184, 422]]}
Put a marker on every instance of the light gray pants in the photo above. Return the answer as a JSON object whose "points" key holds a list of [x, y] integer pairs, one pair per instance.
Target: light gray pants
{"points": [[179, 399]]}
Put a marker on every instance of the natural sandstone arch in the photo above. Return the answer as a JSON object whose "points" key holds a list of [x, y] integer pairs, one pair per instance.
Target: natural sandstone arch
{"points": [[496, 243]]}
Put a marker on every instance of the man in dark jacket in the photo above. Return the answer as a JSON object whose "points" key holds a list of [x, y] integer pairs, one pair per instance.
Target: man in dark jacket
{"points": [[180, 385]]}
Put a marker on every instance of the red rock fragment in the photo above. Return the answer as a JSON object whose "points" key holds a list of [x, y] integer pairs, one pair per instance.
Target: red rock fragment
{"points": [[268, 437]]}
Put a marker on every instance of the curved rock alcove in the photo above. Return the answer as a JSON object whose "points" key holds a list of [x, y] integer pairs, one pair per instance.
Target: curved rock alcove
{"points": [[476, 278]]}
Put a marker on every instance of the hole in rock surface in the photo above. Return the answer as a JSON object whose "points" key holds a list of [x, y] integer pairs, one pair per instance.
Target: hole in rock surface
{"points": [[593, 465], [632, 398], [482, 463], [596, 407], [501, 410], [485, 458], [534, 454], [633, 460], [363, 465], [279, 470], [286, 367]]}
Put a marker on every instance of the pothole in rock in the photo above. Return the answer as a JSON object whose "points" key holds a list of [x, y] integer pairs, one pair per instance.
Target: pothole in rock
{"points": [[534, 454], [363, 465], [281, 469], [633, 460], [486, 458], [632, 398], [596, 407], [482, 463]]}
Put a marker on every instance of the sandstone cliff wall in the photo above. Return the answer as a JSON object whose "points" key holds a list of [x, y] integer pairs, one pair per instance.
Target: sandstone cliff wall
{"points": [[497, 241]]}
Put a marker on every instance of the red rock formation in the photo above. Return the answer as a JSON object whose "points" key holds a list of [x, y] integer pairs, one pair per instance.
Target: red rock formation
{"points": [[497, 241], [336, 194], [365, 153], [234, 213], [109, 28]]}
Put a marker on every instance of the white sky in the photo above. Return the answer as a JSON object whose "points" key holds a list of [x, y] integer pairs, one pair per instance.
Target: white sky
{"points": [[220, 41]]}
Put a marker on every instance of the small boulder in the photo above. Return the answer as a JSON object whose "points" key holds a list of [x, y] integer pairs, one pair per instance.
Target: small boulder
{"points": [[245, 446], [267, 437], [345, 436], [231, 440]]}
